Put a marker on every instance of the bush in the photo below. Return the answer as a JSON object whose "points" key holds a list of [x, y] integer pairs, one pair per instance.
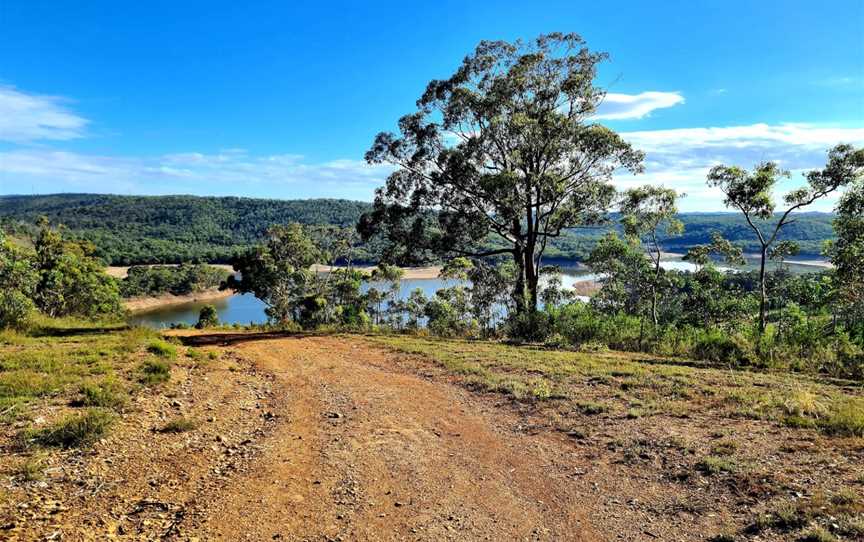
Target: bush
{"points": [[534, 326], [179, 425], [208, 317], [716, 346], [846, 418], [107, 393], [155, 371], [75, 430], [162, 349], [15, 309]]}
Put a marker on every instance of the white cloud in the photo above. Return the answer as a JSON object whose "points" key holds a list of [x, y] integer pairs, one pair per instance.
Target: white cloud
{"points": [[635, 106], [224, 173], [30, 117], [680, 158]]}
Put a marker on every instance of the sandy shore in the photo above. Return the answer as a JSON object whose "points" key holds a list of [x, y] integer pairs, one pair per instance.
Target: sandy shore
{"points": [[430, 272], [143, 304], [120, 272]]}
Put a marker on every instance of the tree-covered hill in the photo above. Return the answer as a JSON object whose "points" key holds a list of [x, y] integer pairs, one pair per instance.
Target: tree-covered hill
{"points": [[171, 229]]}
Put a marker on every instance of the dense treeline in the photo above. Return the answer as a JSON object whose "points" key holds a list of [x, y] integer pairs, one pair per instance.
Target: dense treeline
{"points": [[183, 279], [55, 277], [130, 230]]}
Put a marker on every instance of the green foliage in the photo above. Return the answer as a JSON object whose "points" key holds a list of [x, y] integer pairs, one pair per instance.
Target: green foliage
{"points": [[712, 465], [137, 230], [751, 193], [528, 165], [76, 430], [15, 309], [179, 425], [128, 230], [163, 349], [155, 371], [183, 279], [719, 347], [71, 281], [106, 393], [207, 317]]}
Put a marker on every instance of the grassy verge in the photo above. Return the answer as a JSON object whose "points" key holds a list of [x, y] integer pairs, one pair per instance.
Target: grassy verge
{"points": [[86, 371], [634, 385], [784, 448]]}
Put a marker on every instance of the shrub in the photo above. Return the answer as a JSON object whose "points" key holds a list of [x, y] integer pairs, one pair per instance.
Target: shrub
{"points": [[534, 326], [179, 425], [155, 371], [107, 393], [75, 430], [715, 465], [32, 470], [818, 534], [718, 347], [208, 317], [162, 349], [15, 309], [846, 418]]}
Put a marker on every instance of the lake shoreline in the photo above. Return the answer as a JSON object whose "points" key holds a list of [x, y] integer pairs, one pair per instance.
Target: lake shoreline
{"points": [[140, 305]]}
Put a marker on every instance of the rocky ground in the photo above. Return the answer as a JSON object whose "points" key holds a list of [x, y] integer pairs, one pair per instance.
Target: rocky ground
{"points": [[335, 438]]}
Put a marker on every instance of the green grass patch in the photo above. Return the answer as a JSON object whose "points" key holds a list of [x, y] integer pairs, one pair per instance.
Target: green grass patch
{"points": [[712, 465], [154, 371], [592, 408], [163, 349], [73, 431], [818, 534], [652, 386], [845, 418], [107, 393], [179, 425]]}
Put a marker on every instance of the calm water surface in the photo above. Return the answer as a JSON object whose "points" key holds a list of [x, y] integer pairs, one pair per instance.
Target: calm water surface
{"points": [[247, 309]]}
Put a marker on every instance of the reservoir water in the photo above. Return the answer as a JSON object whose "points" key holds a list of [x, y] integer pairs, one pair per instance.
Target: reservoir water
{"points": [[247, 309]]}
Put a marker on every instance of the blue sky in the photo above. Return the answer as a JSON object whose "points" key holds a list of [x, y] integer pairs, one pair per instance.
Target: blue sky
{"points": [[279, 99]]}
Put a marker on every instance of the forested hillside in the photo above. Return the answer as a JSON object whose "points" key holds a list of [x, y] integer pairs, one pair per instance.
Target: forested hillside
{"points": [[171, 229]]}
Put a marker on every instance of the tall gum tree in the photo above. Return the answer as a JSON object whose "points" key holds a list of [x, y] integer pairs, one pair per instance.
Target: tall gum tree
{"points": [[752, 194], [647, 212], [500, 158]]}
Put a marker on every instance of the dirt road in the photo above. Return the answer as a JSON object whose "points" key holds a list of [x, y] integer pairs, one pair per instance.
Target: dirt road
{"points": [[365, 453]]}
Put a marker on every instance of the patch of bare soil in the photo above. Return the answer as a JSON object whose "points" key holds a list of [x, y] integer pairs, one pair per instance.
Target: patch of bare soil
{"points": [[137, 482], [370, 454], [330, 438]]}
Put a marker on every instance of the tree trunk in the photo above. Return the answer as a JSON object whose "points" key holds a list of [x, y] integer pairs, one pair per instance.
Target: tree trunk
{"points": [[519, 287], [763, 292], [532, 277], [654, 291]]}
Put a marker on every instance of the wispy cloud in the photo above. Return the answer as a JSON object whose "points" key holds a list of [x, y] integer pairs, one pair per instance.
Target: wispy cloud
{"points": [[230, 172], [636, 106], [30, 117], [680, 158]]}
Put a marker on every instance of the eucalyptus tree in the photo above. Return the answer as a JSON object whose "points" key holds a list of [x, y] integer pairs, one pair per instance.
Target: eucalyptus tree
{"points": [[701, 255], [392, 277], [504, 153], [847, 252], [648, 212], [278, 271], [752, 194]]}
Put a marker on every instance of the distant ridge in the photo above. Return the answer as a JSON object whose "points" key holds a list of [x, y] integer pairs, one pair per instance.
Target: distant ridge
{"points": [[170, 229]]}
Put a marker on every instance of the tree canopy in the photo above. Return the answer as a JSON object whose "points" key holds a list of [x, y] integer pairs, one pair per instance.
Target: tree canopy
{"points": [[504, 148]]}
